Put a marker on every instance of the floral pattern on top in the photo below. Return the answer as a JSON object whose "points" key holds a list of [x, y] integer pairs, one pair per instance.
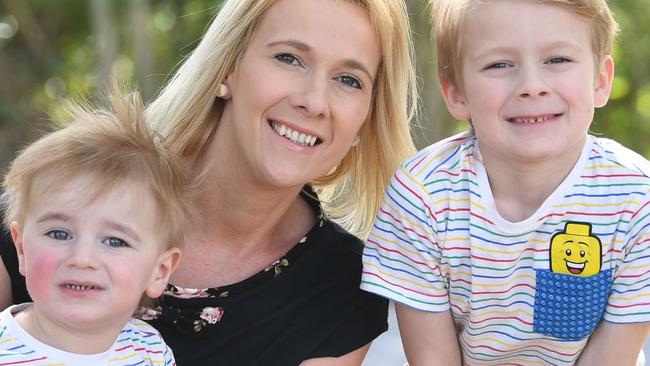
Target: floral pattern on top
{"points": [[198, 319]]}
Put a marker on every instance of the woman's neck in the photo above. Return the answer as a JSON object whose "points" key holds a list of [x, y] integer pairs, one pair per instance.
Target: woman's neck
{"points": [[239, 228]]}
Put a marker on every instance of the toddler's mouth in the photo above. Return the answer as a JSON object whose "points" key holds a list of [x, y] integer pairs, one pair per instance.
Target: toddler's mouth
{"points": [[81, 287]]}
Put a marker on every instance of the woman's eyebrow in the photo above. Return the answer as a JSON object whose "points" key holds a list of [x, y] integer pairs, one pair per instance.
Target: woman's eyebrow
{"points": [[301, 46]]}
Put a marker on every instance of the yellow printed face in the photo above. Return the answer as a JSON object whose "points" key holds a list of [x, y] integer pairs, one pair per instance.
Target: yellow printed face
{"points": [[575, 251]]}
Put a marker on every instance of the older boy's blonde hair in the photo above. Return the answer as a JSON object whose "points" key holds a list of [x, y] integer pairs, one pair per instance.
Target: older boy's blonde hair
{"points": [[187, 110], [448, 17], [111, 147]]}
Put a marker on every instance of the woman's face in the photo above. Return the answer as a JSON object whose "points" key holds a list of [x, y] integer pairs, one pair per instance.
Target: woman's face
{"points": [[301, 91]]}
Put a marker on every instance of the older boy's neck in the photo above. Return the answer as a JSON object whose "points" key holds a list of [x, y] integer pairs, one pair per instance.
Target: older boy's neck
{"points": [[519, 190]]}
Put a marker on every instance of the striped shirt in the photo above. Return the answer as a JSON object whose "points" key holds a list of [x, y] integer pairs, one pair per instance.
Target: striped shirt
{"points": [[438, 244], [137, 344]]}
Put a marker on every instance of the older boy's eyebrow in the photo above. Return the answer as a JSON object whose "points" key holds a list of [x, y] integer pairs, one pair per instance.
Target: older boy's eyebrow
{"points": [[123, 228], [490, 51], [563, 44], [301, 46]]}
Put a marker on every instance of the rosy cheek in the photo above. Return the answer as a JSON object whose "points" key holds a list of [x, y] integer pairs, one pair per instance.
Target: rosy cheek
{"points": [[41, 271]]}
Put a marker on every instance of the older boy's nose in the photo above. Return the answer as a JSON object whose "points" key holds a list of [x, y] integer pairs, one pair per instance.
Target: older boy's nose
{"points": [[312, 99], [532, 84]]}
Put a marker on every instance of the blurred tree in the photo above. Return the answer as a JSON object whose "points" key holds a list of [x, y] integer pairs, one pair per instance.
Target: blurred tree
{"points": [[65, 48]]}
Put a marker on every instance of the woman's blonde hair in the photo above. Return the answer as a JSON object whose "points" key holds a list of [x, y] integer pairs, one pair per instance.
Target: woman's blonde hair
{"points": [[187, 110], [110, 146], [448, 17]]}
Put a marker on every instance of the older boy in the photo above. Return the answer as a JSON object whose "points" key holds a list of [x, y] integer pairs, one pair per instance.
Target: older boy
{"points": [[96, 212], [524, 241]]}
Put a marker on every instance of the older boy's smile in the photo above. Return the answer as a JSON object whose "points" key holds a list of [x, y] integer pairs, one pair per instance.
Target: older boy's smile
{"points": [[534, 119], [529, 91]]}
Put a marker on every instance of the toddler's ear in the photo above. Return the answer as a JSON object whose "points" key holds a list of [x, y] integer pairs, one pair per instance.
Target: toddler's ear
{"points": [[604, 81], [167, 263], [17, 237], [455, 100]]}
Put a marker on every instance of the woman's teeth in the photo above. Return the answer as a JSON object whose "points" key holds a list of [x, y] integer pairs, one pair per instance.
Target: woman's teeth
{"points": [[296, 137]]}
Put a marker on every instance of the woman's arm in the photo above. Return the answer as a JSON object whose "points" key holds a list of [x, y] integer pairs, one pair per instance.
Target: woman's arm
{"points": [[429, 338], [353, 358], [614, 344]]}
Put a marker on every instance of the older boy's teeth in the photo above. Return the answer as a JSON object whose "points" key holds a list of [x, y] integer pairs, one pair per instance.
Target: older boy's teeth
{"points": [[531, 120], [295, 136]]}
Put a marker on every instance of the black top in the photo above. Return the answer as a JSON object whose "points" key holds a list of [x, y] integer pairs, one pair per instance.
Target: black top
{"points": [[10, 258], [307, 304]]}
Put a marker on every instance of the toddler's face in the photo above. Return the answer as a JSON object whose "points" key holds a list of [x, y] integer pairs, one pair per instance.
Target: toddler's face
{"points": [[88, 262], [530, 81]]}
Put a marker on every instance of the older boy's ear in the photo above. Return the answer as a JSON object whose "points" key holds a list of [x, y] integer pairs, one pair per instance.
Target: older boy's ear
{"points": [[604, 81], [17, 237], [167, 263], [455, 100]]}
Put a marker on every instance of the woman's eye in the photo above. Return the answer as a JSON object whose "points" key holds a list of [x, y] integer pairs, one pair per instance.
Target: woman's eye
{"points": [[350, 81], [558, 60], [115, 242], [287, 58], [497, 65], [58, 235]]}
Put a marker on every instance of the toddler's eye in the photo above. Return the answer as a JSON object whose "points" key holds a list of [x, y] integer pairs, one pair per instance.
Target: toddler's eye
{"points": [[115, 242], [287, 58], [350, 81], [58, 235]]}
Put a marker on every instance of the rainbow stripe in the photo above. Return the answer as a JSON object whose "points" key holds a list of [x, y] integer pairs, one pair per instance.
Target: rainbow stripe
{"points": [[439, 245]]}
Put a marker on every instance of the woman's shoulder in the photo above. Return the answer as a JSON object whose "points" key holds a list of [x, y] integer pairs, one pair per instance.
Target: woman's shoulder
{"points": [[335, 240]]}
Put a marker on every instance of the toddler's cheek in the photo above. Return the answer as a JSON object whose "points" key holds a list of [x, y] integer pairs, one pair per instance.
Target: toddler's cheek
{"points": [[40, 276]]}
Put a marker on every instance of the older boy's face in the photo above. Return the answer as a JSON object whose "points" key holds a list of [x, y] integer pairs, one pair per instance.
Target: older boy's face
{"points": [[529, 87], [88, 262]]}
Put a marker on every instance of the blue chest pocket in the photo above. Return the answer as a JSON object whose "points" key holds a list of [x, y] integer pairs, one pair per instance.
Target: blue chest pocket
{"points": [[569, 307]]}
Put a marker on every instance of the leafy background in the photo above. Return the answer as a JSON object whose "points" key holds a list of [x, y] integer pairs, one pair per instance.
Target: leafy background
{"points": [[54, 49]]}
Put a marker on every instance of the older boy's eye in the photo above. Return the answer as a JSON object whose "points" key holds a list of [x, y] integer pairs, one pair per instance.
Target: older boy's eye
{"points": [[558, 60], [350, 81], [115, 242], [287, 58], [59, 235]]}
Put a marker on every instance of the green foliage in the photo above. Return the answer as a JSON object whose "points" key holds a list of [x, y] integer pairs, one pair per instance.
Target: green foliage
{"points": [[51, 50]]}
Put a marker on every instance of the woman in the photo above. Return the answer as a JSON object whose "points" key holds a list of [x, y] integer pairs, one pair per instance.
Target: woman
{"points": [[282, 99]]}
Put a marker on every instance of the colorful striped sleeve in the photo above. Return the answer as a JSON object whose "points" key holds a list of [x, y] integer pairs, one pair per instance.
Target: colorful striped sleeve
{"points": [[629, 300], [401, 258]]}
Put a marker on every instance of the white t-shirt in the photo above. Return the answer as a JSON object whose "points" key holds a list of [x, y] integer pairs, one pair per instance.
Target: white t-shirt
{"points": [[137, 344]]}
